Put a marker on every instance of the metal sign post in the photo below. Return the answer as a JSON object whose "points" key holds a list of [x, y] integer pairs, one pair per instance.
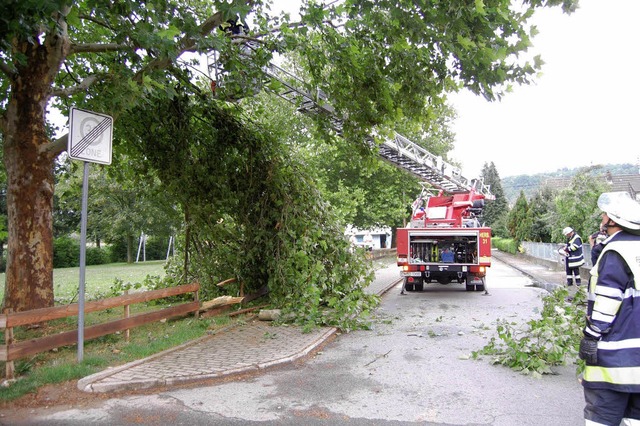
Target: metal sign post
{"points": [[90, 140], [83, 258]]}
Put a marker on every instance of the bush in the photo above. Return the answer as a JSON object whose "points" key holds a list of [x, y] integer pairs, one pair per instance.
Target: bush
{"points": [[98, 256], [505, 244], [66, 252]]}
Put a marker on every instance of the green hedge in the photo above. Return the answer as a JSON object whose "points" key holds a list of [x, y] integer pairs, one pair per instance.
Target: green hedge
{"points": [[505, 244], [66, 253]]}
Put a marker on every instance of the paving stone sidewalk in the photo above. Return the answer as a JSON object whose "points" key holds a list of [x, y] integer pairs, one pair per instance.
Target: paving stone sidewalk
{"points": [[239, 349]]}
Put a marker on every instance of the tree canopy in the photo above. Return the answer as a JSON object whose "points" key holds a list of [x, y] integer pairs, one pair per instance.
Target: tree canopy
{"points": [[378, 62]]}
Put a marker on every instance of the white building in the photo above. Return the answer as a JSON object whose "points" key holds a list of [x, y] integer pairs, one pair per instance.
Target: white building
{"points": [[380, 237]]}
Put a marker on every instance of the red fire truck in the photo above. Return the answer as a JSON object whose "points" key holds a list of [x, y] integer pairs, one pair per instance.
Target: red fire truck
{"points": [[444, 241]]}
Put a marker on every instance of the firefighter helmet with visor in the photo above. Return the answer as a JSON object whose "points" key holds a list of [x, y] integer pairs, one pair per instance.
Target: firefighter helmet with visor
{"points": [[621, 209], [566, 231]]}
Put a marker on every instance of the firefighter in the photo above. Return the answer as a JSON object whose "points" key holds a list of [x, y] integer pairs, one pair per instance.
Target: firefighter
{"points": [[233, 27], [611, 342], [574, 256], [595, 241]]}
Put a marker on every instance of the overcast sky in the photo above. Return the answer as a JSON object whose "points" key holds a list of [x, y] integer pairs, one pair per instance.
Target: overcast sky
{"points": [[583, 110]]}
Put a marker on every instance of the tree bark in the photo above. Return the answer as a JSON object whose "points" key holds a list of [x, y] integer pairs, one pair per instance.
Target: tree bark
{"points": [[30, 182], [130, 248], [187, 243]]}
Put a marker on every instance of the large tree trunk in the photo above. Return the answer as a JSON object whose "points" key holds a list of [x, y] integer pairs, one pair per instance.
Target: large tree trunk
{"points": [[30, 183]]}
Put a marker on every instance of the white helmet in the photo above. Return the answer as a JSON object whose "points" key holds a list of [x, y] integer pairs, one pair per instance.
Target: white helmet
{"points": [[621, 208], [566, 231]]}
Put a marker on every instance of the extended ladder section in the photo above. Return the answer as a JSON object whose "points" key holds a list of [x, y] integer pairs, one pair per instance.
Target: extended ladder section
{"points": [[398, 150]]}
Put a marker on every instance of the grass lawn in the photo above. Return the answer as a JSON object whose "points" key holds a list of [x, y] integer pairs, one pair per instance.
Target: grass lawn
{"points": [[98, 279]]}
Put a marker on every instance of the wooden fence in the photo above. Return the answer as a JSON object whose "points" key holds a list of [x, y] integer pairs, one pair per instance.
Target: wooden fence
{"points": [[12, 350]]}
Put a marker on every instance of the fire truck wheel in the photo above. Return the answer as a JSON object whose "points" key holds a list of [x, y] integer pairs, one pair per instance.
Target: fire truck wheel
{"points": [[475, 287], [408, 286], [419, 286]]}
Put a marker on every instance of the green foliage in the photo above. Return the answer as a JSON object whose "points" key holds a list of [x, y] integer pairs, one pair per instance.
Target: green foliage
{"points": [[361, 189], [126, 55], [540, 216], [118, 252], [496, 209], [157, 282], [543, 217], [519, 220], [253, 213], [98, 256], [499, 228], [577, 206], [531, 184], [66, 252], [49, 374], [121, 206], [155, 249], [507, 245], [119, 287], [543, 343]]}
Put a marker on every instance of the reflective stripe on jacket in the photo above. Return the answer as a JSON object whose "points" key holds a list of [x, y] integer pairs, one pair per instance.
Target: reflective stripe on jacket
{"points": [[613, 316], [574, 249]]}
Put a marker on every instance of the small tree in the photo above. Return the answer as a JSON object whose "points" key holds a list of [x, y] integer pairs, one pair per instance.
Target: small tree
{"points": [[517, 222], [577, 206], [541, 211], [498, 208]]}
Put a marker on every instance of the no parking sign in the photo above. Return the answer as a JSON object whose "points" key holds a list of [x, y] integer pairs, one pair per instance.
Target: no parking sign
{"points": [[90, 136]]}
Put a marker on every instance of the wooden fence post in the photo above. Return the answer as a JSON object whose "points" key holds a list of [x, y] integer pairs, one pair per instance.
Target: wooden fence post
{"points": [[127, 314], [196, 298]]}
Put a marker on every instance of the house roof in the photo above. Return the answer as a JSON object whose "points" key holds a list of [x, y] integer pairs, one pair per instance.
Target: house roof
{"points": [[626, 183]]}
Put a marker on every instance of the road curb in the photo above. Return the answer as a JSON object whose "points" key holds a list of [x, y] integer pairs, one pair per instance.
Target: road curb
{"points": [[537, 280]]}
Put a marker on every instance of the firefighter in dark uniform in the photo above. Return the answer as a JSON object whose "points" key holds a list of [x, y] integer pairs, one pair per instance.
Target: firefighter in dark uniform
{"points": [[574, 256], [611, 343]]}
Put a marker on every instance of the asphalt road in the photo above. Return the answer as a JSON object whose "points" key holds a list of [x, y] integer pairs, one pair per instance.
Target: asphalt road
{"points": [[413, 367]]}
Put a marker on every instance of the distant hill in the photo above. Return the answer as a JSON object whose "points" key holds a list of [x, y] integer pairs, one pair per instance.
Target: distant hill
{"points": [[512, 185]]}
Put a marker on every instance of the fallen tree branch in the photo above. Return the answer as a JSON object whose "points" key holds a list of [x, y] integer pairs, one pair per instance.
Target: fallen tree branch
{"points": [[377, 358], [221, 301]]}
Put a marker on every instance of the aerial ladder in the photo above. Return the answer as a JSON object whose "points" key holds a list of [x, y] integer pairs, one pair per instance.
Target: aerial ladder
{"points": [[397, 150]]}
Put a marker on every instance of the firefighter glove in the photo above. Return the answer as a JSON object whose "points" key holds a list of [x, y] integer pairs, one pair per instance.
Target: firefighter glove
{"points": [[589, 350]]}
